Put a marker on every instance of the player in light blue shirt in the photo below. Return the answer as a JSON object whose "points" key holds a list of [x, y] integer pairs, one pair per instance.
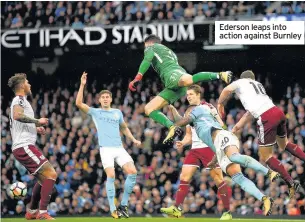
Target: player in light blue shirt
{"points": [[110, 123], [226, 146]]}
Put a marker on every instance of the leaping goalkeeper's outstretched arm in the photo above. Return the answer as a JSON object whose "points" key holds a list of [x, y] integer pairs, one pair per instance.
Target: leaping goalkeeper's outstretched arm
{"points": [[145, 64]]}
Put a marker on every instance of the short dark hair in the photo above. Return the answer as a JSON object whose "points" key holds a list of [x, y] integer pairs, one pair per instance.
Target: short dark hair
{"points": [[248, 74], [197, 89], [152, 38], [105, 91], [16, 80]]}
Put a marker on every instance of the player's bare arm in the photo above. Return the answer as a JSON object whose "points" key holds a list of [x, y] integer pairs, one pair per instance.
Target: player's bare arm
{"points": [[245, 118], [79, 98], [217, 116], [184, 121], [19, 115], [175, 113], [226, 93], [187, 139], [126, 131], [223, 98]]}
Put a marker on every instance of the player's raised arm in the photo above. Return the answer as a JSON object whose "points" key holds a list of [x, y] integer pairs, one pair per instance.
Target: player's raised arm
{"points": [[184, 121], [217, 116], [175, 113], [79, 98], [145, 64], [18, 114], [187, 139]]}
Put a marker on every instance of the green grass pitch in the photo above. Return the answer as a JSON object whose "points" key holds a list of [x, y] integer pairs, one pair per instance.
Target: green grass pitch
{"points": [[153, 219]]}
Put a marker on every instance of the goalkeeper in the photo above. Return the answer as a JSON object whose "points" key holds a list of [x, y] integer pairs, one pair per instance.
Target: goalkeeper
{"points": [[173, 76]]}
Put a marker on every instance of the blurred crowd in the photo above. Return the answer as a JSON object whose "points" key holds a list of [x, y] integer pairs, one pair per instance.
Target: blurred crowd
{"points": [[78, 14], [71, 146]]}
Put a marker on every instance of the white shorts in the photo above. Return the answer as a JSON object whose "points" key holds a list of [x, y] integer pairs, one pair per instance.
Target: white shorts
{"points": [[223, 139], [109, 155]]}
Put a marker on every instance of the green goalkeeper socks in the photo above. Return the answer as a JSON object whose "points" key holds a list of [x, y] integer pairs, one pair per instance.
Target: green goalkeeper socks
{"points": [[205, 76], [159, 117]]}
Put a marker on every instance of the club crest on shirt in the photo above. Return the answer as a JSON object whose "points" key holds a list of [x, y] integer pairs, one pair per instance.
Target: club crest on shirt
{"points": [[21, 102], [116, 116]]}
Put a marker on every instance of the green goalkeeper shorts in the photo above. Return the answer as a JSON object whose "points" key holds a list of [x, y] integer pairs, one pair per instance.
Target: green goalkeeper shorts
{"points": [[172, 95], [171, 78], [173, 91]]}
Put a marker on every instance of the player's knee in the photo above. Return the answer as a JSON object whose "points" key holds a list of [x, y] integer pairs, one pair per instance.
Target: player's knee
{"points": [[233, 169], [264, 156], [282, 143], [218, 180], [148, 109], [185, 177], [110, 174], [132, 171], [186, 80], [217, 176], [47, 172], [52, 174]]}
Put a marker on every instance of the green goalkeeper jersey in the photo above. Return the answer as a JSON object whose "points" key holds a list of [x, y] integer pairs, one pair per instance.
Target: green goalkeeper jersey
{"points": [[163, 60]]}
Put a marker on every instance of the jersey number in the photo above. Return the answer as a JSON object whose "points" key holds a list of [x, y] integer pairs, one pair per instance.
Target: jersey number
{"points": [[224, 141], [170, 55], [259, 89]]}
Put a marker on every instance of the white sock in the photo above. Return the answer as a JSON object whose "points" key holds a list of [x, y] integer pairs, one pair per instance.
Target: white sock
{"points": [[32, 211], [42, 211]]}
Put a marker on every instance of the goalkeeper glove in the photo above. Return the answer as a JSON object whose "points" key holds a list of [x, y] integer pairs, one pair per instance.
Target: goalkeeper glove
{"points": [[133, 84]]}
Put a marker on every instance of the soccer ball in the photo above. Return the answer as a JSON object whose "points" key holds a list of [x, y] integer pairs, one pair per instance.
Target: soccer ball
{"points": [[18, 190]]}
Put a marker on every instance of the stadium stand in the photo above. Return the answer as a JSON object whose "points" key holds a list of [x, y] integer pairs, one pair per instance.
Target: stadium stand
{"points": [[77, 14]]}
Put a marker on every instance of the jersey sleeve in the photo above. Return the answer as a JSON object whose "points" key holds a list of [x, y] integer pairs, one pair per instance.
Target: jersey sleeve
{"points": [[19, 100], [148, 57], [91, 111], [235, 85], [121, 120], [195, 113], [211, 108]]}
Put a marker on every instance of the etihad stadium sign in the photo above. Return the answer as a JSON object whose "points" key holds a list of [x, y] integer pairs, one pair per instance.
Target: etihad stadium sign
{"points": [[92, 36]]}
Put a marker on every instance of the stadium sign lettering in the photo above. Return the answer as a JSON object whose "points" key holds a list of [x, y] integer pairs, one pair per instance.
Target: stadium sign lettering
{"points": [[95, 35], [10, 37], [131, 33]]}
